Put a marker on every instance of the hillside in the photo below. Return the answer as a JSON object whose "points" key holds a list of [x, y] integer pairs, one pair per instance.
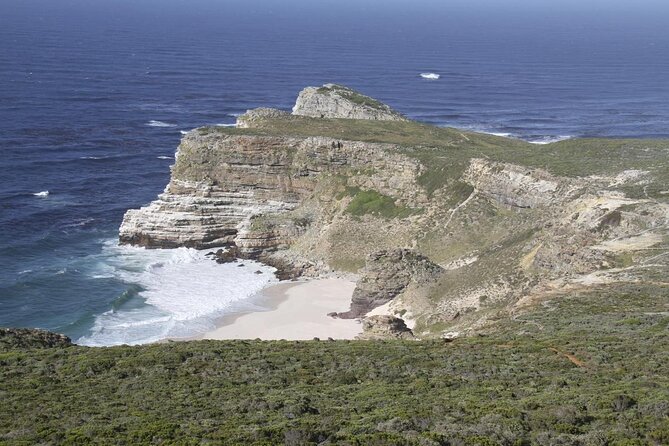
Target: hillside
{"points": [[589, 369], [508, 222]]}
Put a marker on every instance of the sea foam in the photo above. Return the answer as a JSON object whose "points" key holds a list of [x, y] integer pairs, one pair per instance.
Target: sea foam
{"points": [[549, 139], [172, 293], [430, 76], [153, 123], [42, 194]]}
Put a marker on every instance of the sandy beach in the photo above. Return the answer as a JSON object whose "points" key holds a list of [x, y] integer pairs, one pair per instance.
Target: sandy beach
{"points": [[295, 311]]}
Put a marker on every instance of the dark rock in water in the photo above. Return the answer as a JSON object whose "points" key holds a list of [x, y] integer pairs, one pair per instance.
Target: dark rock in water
{"points": [[387, 273], [227, 256], [240, 265], [25, 338], [333, 314], [258, 272], [385, 327]]}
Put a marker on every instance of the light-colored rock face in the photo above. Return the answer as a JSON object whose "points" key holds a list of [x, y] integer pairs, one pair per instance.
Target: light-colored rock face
{"points": [[247, 119], [335, 101], [519, 186]]}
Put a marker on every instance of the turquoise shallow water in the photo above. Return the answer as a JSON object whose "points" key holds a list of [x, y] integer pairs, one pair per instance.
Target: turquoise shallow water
{"points": [[93, 98]]}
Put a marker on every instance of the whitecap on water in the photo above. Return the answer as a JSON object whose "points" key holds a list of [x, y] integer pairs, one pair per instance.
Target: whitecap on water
{"points": [[226, 125], [430, 76], [163, 157], [154, 123], [178, 293], [42, 194], [549, 139]]}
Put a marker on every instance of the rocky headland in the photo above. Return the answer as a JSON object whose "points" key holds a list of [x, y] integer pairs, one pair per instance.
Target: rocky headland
{"points": [[448, 229]]}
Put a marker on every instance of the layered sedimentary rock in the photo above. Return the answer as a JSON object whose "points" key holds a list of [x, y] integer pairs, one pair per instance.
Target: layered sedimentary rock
{"points": [[519, 186], [221, 183], [336, 101]]}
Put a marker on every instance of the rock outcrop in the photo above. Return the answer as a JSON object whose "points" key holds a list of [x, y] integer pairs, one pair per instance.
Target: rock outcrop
{"points": [[386, 275], [336, 101], [519, 186], [384, 327], [249, 118], [24, 338]]}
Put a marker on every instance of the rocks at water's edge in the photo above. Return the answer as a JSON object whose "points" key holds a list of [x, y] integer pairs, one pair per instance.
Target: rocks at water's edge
{"points": [[26, 338]]}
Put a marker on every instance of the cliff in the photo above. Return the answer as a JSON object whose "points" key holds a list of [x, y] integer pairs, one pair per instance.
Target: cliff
{"points": [[498, 224]]}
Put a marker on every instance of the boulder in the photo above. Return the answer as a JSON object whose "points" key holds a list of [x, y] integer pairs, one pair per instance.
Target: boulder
{"points": [[385, 327]]}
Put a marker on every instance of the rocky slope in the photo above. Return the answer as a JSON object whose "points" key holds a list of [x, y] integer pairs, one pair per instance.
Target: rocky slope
{"points": [[481, 227]]}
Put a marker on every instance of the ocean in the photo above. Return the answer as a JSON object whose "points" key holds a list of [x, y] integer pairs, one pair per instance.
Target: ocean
{"points": [[94, 96]]}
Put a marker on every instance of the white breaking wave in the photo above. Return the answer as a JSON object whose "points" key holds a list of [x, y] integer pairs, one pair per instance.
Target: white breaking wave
{"points": [[430, 76], [184, 132], [163, 157], [42, 194], [226, 125], [181, 292], [549, 139], [154, 123]]}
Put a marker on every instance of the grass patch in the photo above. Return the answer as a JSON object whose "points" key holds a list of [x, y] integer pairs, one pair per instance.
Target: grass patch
{"points": [[371, 202]]}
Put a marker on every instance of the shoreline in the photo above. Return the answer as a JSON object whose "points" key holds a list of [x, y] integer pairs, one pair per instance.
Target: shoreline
{"points": [[292, 311]]}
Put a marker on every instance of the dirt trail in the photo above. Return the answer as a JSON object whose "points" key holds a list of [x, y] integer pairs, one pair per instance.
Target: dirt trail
{"points": [[573, 359]]}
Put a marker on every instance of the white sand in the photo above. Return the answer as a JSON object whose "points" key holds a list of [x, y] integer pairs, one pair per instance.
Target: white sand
{"points": [[295, 311]]}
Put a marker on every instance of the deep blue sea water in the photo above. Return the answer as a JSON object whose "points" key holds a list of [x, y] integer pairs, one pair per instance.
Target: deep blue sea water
{"points": [[94, 94]]}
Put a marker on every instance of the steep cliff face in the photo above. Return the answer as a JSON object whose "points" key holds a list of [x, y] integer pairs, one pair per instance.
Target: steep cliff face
{"points": [[497, 224], [336, 101], [240, 190]]}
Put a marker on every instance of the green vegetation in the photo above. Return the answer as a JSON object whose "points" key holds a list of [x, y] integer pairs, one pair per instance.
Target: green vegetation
{"points": [[372, 202], [584, 369]]}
